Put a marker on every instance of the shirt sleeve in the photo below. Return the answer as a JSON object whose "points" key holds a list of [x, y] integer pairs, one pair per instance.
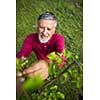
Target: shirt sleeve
{"points": [[59, 44], [26, 48]]}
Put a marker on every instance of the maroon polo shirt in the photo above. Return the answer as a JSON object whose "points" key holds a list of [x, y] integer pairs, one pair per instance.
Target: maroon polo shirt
{"points": [[32, 43]]}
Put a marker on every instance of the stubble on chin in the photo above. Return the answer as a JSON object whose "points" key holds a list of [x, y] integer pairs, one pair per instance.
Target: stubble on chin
{"points": [[43, 39]]}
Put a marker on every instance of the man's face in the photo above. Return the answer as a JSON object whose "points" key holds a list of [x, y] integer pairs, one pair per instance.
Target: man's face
{"points": [[46, 29]]}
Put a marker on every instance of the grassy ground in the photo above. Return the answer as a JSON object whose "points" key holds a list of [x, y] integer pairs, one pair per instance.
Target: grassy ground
{"points": [[70, 22]]}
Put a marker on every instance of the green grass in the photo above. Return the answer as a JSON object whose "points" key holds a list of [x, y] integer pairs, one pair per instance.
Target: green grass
{"points": [[70, 23]]}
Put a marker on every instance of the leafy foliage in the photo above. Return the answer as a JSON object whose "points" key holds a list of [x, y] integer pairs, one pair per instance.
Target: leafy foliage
{"points": [[21, 63], [33, 83]]}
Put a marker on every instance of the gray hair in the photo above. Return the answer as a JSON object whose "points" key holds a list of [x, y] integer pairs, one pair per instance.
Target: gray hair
{"points": [[48, 16]]}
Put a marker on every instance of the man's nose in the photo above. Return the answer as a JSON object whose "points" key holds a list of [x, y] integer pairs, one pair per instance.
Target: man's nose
{"points": [[44, 31]]}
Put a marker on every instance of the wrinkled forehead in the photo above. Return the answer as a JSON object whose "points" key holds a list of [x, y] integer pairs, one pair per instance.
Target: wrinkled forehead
{"points": [[47, 23]]}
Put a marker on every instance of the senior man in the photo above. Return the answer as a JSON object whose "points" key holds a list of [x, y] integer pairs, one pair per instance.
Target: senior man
{"points": [[43, 42]]}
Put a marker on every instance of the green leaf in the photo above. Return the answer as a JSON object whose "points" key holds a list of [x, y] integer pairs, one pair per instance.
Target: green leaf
{"points": [[67, 53], [21, 63], [76, 57], [54, 87], [33, 83], [61, 95], [54, 56], [49, 98], [65, 75], [17, 61], [52, 68]]}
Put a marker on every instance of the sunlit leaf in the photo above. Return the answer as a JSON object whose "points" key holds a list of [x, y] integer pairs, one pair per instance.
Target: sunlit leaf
{"points": [[54, 87], [33, 83], [60, 95], [65, 75]]}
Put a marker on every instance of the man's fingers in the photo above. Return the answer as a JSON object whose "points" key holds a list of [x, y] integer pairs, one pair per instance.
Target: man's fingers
{"points": [[40, 68], [42, 72], [36, 66]]}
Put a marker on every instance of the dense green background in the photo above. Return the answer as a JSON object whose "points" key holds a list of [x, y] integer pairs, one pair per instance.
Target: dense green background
{"points": [[70, 25]]}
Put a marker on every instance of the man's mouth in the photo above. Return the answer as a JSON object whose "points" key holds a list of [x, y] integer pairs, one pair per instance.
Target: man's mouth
{"points": [[44, 36]]}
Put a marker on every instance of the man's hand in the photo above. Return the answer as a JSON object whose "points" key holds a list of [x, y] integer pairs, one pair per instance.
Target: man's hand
{"points": [[39, 67]]}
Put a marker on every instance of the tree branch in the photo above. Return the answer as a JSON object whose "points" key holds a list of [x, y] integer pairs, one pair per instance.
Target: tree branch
{"points": [[47, 83]]}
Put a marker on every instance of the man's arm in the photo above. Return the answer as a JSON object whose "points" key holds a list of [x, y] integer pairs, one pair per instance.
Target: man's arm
{"points": [[59, 50], [26, 48]]}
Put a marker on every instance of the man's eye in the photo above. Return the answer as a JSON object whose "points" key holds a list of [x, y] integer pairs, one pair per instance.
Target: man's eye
{"points": [[40, 27], [48, 29]]}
